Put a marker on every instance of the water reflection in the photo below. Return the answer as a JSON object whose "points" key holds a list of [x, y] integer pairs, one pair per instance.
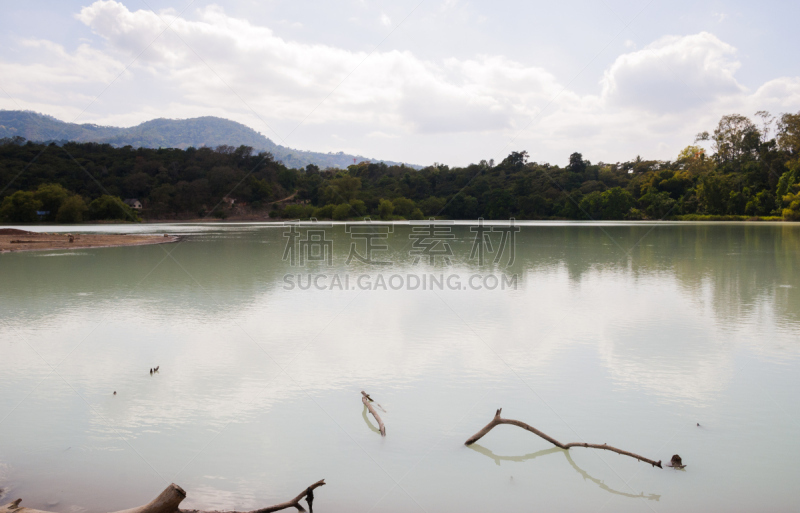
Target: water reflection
{"points": [[527, 457], [622, 344], [733, 269], [368, 422]]}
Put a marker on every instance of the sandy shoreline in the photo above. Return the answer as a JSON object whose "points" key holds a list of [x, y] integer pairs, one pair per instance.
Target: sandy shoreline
{"points": [[12, 240]]}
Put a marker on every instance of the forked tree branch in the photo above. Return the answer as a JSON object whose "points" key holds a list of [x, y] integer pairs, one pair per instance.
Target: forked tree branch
{"points": [[497, 420], [307, 494], [367, 400], [173, 495]]}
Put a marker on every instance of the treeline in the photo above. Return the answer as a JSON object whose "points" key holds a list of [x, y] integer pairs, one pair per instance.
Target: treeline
{"points": [[53, 203], [170, 183], [748, 173]]}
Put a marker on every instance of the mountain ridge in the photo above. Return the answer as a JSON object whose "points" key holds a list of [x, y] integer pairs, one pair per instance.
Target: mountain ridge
{"points": [[208, 131]]}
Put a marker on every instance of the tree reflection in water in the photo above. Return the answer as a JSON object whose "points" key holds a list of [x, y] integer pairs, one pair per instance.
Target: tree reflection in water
{"points": [[497, 459]]}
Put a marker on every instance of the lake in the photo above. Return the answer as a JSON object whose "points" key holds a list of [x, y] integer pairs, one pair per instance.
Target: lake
{"points": [[629, 334]]}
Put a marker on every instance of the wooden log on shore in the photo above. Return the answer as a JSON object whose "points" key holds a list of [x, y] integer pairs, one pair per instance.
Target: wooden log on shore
{"points": [[169, 500], [497, 420], [367, 400]]}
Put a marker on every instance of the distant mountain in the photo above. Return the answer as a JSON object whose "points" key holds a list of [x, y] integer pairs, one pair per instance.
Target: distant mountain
{"points": [[166, 133]]}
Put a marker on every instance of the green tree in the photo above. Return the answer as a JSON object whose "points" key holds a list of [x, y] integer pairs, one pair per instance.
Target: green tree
{"points": [[72, 210], [287, 178], [500, 204], [515, 160], [791, 202], [52, 195], [533, 206], [415, 215], [403, 207], [591, 205], [760, 204], [137, 184], [298, 211], [677, 184], [342, 212], [260, 190], [385, 209], [690, 153], [713, 194], [341, 189], [788, 179], [657, 205], [616, 203], [161, 200], [463, 206], [432, 206], [20, 207], [735, 137], [577, 164], [693, 160], [359, 207], [789, 134], [111, 208], [325, 212], [570, 206]]}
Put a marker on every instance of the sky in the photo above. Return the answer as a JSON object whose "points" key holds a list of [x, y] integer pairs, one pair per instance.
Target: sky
{"points": [[448, 81]]}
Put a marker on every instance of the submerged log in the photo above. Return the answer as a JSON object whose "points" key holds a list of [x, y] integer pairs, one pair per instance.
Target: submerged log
{"points": [[166, 502], [367, 400], [173, 495], [497, 420]]}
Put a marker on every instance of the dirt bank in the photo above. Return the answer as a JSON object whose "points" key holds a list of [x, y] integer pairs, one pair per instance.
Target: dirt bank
{"points": [[21, 240]]}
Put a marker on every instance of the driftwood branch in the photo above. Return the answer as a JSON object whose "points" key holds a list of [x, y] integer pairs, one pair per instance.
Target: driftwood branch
{"points": [[367, 400], [173, 495], [307, 494], [364, 415], [497, 420], [166, 502]]}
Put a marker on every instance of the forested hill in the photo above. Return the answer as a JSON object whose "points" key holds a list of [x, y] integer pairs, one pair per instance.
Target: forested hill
{"points": [[206, 131], [747, 174]]}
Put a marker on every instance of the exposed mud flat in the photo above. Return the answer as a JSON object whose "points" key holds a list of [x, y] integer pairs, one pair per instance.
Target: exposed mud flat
{"points": [[12, 239]]}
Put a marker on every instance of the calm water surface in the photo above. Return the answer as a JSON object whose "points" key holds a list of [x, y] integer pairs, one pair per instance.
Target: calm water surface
{"points": [[626, 334]]}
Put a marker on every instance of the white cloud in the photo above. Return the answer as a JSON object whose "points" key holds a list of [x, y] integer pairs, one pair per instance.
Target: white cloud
{"points": [[781, 92], [51, 79], [673, 73], [650, 101], [386, 21], [274, 75]]}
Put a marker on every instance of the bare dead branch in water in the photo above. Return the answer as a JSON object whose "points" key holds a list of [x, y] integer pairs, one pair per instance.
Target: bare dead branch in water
{"points": [[497, 420], [173, 495], [367, 400], [307, 494]]}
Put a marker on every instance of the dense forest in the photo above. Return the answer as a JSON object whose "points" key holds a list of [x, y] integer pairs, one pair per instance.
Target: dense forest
{"points": [[748, 175]]}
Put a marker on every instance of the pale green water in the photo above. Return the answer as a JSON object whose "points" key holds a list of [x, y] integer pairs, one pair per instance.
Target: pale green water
{"points": [[626, 334]]}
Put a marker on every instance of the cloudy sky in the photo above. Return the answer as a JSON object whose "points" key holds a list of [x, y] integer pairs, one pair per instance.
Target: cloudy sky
{"points": [[451, 81]]}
